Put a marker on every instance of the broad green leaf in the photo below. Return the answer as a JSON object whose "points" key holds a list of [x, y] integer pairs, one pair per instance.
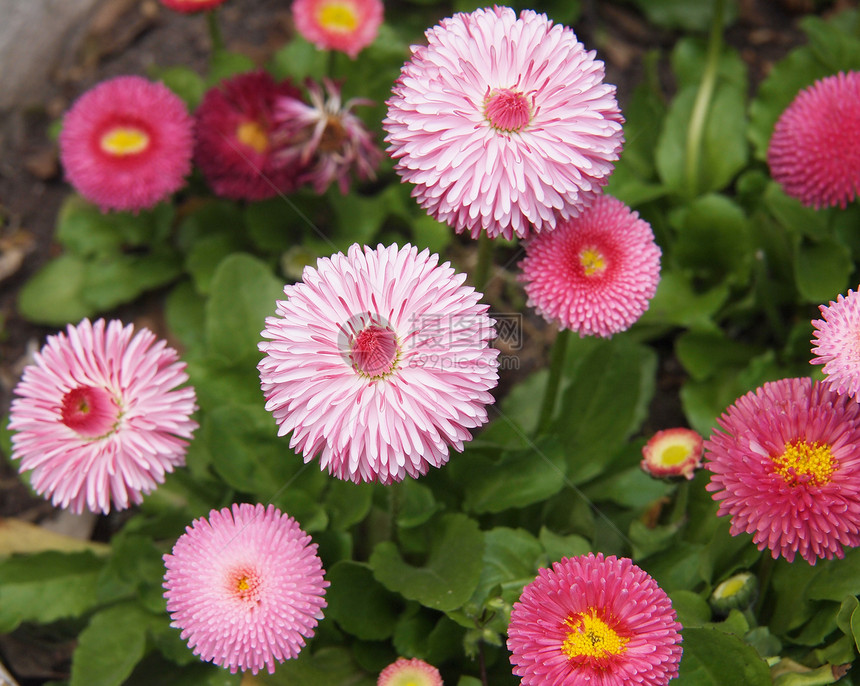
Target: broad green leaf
{"points": [[846, 611], [558, 546], [18, 536], [119, 279], [822, 270], [855, 627], [299, 60], [512, 558], [678, 303], [705, 353], [54, 295], [630, 487], [726, 554], [807, 677], [835, 42], [428, 232], [791, 214], [679, 14], [347, 503], [416, 503], [272, 225], [185, 82], [691, 608], [359, 603], [184, 313], [837, 578], [224, 64], [677, 567], [714, 658], [791, 583], [206, 254], [690, 55], [329, 666]]}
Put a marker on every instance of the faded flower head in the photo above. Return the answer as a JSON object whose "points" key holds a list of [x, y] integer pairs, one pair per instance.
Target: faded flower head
{"points": [[345, 25], [673, 452]]}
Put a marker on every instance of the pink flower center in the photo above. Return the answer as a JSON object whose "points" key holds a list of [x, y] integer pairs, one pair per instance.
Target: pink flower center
{"points": [[507, 110], [338, 16], [246, 585], [122, 141], [89, 411], [374, 351]]}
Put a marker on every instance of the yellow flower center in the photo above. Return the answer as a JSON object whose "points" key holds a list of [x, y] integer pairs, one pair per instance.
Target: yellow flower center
{"points": [[252, 134], [592, 261], [674, 454], [731, 586], [805, 463], [338, 16], [591, 637], [124, 140], [245, 584]]}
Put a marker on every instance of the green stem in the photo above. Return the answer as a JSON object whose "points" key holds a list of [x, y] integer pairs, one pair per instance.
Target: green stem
{"points": [[556, 365], [765, 571], [485, 261], [699, 115], [214, 31]]}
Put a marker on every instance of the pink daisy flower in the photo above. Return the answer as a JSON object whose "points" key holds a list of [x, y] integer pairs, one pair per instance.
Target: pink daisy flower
{"points": [[235, 147], [412, 672], [814, 152], [345, 25], [98, 417], [673, 452], [325, 138], [192, 5], [245, 586], [503, 123], [379, 362], [837, 344], [596, 620], [786, 468], [595, 274], [127, 143]]}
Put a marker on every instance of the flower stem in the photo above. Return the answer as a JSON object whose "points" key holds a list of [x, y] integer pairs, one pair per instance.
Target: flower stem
{"points": [[485, 261], [214, 31], [556, 363]]}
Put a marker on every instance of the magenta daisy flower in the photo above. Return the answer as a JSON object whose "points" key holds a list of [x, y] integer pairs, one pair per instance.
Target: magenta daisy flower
{"points": [[98, 417], [235, 147], [345, 25], [245, 586], [192, 5], [412, 672], [595, 274], [596, 620], [503, 123], [814, 152], [127, 143], [325, 138], [673, 452], [379, 362], [837, 343], [786, 469]]}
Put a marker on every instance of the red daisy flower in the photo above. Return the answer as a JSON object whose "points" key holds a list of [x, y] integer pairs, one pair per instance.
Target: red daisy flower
{"points": [[192, 5]]}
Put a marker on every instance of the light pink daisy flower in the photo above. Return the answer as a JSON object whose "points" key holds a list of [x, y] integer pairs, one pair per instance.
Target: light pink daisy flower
{"points": [[192, 5], [503, 123], [594, 620], [245, 586], [379, 362], [786, 469], [837, 344], [325, 138], [673, 452], [127, 143], [345, 25], [98, 417], [814, 152], [595, 274], [412, 672]]}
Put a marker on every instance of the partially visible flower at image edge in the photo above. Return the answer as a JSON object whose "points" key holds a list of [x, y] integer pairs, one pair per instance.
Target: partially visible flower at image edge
{"points": [[594, 619], [836, 344], [412, 672], [503, 123], [127, 143], [192, 5], [673, 452], [98, 417], [785, 466], [814, 151], [245, 586], [348, 26], [595, 274]]}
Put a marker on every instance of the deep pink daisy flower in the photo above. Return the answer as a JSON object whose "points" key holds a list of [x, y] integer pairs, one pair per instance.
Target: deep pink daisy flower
{"points": [[503, 123], [325, 138], [673, 452], [786, 469], [814, 152], [345, 25], [127, 143], [594, 620], [379, 362], [837, 344], [192, 5], [236, 150], [98, 417], [595, 274], [245, 586], [412, 672]]}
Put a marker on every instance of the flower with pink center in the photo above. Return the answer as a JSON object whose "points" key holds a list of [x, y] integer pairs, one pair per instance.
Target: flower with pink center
{"points": [[245, 586], [236, 147], [814, 152], [594, 620], [785, 466], [379, 362], [325, 139], [595, 274], [412, 672], [503, 123], [98, 417], [188, 6], [673, 452], [345, 25], [836, 344], [127, 143]]}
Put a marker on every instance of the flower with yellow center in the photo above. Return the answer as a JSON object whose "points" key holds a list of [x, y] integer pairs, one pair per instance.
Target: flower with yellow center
{"points": [[345, 25], [672, 453]]}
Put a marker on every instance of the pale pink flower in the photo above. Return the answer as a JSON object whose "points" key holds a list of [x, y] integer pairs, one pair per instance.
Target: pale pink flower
{"points": [[379, 362], [503, 123], [836, 344], [345, 25], [412, 672], [673, 452], [98, 417], [245, 586]]}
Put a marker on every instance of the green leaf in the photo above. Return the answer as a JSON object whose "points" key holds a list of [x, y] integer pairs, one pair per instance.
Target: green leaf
{"points": [[822, 270], [705, 353], [348, 503], [558, 546], [54, 295], [691, 608], [224, 64], [512, 558], [837, 578], [690, 55], [183, 311], [417, 503], [270, 227], [834, 43], [299, 60], [428, 232], [330, 666], [359, 603], [714, 658], [855, 627], [185, 82], [846, 611], [451, 572], [791, 214], [678, 303], [118, 279], [680, 14]]}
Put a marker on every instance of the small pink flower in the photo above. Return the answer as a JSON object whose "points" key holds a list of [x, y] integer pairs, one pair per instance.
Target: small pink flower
{"points": [[814, 152], [245, 586], [99, 418], [594, 620], [673, 452], [595, 274], [127, 144], [837, 344], [345, 25], [412, 672], [192, 5]]}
